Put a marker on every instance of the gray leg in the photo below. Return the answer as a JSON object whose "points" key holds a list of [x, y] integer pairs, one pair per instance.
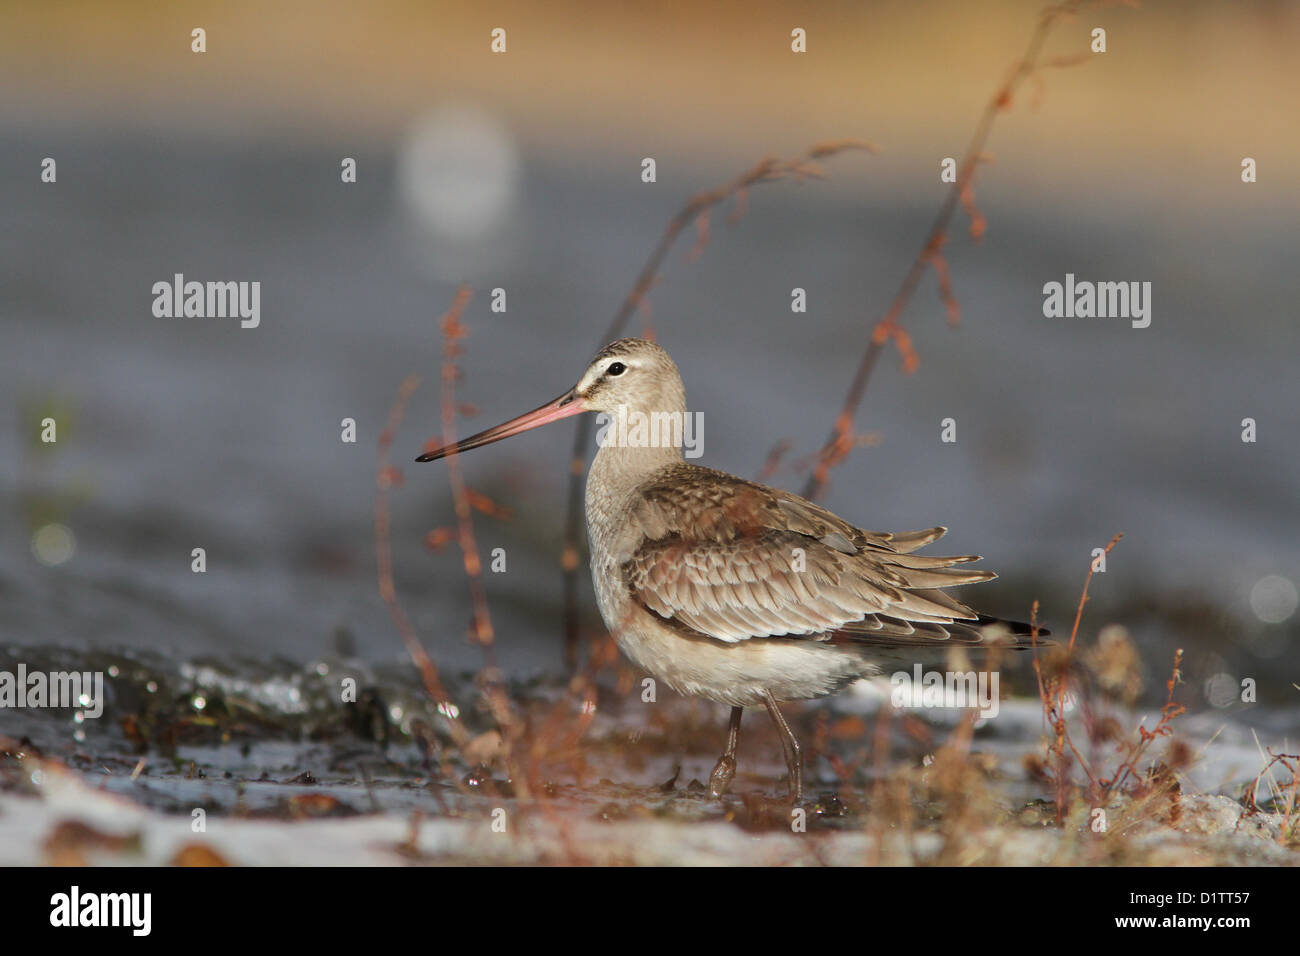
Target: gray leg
{"points": [[793, 758], [720, 779]]}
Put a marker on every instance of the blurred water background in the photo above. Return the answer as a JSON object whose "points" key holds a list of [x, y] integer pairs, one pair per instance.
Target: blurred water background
{"points": [[522, 171]]}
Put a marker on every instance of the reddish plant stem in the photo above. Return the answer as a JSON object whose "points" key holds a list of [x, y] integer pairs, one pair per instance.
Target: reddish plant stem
{"points": [[840, 441], [386, 477], [1167, 713], [490, 678]]}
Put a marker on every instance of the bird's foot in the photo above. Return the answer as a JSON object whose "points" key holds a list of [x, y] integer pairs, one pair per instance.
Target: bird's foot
{"points": [[720, 779]]}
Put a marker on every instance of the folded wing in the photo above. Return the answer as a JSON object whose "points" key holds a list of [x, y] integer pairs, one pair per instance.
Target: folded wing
{"points": [[734, 560]]}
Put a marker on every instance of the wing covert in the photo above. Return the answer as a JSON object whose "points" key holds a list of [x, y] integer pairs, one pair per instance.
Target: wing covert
{"points": [[734, 561]]}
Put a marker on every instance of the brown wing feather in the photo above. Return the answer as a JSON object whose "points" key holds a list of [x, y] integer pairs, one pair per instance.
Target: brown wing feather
{"points": [[735, 560]]}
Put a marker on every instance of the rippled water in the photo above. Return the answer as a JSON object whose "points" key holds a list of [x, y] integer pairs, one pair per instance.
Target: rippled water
{"points": [[177, 434]]}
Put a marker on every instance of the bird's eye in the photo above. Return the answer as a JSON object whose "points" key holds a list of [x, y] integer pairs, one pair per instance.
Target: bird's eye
{"points": [[616, 368]]}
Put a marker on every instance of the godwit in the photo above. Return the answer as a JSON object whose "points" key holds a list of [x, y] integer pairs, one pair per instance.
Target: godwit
{"points": [[734, 591]]}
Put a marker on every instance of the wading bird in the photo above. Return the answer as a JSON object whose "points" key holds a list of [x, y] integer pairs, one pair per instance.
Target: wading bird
{"points": [[733, 591]]}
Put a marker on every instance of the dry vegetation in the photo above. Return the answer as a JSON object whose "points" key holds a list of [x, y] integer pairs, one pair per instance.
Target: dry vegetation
{"points": [[1107, 781]]}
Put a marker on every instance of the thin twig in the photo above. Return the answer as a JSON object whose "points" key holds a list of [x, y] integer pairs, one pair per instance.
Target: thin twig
{"points": [[386, 477], [841, 441], [1053, 695], [1168, 712], [453, 331]]}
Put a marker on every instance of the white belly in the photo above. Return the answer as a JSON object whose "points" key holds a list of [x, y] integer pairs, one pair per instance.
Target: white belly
{"points": [[738, 674]]}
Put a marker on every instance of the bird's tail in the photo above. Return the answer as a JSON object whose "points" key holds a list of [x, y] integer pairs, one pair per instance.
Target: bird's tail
{"points": [[976, 632], [1016, 635]]}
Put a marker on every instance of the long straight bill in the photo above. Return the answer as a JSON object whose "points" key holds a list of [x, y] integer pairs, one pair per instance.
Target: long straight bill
{"points": [[565, 406]]}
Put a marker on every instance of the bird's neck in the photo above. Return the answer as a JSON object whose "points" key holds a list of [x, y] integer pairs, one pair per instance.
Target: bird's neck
{"points": [[632, 447]]}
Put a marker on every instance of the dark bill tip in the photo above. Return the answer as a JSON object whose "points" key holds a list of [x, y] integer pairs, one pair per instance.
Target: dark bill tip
{"points": [[565, 406]]}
